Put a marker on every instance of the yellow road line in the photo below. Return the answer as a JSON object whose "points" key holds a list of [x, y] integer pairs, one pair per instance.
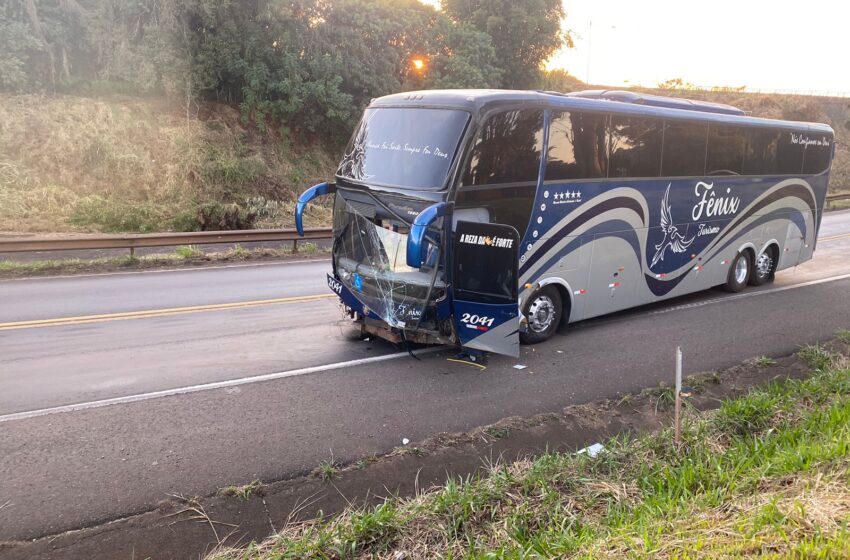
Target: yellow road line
{"points": [[156, 312], [833, 237]]}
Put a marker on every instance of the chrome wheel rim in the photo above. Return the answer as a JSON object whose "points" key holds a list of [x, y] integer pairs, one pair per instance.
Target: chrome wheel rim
{"points": [[763, 265], [741, 269], [541, 313]]}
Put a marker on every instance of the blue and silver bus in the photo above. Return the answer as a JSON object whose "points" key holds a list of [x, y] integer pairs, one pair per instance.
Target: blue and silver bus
{"points": [[483, 219]]}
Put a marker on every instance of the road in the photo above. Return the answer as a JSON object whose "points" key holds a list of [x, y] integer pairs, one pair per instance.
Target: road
{"points": [[118, 389]]}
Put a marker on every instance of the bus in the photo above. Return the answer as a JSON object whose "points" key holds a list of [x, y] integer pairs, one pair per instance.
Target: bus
{"points": [[488, 218]]}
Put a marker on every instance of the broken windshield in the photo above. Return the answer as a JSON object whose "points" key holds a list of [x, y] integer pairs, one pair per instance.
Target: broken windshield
{"points": [[406, 148], [370, 259]]}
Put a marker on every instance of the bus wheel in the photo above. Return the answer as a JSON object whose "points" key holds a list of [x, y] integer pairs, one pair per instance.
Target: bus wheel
{"points": [[764, 268], [543, 311], [739, 272]]}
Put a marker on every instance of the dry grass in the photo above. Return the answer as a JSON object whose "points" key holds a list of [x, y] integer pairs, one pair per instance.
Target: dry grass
{"points": [[71, 163]]}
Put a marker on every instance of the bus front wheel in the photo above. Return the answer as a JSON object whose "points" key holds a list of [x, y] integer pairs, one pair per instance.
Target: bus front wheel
{"points": [[543, 311], [739, 272]]}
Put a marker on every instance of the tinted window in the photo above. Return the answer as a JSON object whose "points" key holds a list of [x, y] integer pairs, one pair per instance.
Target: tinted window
{"points": [[507, 149], [577, 146], [485, 262], [725, 150], [684, 149], [411, 148], [761, 151], [635, 147], [789, 154], [817, 154]]}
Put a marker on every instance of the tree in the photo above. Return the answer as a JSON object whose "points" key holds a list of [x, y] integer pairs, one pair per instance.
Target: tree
{"points": [[524, 33]]}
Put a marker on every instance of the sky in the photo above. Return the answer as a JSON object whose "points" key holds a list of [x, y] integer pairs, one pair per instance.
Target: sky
{"points": [[764, 45]]}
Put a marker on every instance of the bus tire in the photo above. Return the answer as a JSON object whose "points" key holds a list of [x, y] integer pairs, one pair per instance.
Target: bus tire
{"points": [[764, 269], [739, 272], [543, 312]]}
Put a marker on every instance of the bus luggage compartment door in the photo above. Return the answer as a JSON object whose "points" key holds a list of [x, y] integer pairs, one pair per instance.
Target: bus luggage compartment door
{"points": [[484, 278]]}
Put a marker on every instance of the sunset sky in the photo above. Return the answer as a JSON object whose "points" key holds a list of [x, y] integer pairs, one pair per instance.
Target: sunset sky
{"points": [[762, 44]]}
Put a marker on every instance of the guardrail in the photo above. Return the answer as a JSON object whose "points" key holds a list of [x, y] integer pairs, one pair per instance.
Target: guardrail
{"points": [[135, 241]]}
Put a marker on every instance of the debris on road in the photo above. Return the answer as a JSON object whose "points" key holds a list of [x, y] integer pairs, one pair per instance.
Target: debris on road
{"points": [[592, 450]]}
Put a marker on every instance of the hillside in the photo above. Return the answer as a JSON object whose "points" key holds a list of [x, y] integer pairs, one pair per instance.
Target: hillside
{"points": [[130, 164], [138, 164]]}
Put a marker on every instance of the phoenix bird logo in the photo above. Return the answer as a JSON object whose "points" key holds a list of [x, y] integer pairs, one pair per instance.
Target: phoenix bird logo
{"points": [[672, 238]]}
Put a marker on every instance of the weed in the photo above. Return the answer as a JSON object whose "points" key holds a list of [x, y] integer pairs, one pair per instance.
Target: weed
{"points": [[308, 248], [498, 432], [189, 252], [844, 336], [238, 252], [762, 361], [327, 470], [815, 356], [747, 415], [244, 492]]}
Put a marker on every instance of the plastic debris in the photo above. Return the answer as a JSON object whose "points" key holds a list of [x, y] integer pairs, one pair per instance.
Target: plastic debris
{"points": [[559, 351], [405, 441], [520, 366], [592, 450]]}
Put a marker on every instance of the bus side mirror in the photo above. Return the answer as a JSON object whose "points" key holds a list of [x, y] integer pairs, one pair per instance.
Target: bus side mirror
{"points": [[416, 238], [313, 192]]}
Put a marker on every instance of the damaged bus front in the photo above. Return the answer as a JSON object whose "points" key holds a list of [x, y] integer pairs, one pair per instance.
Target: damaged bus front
{"points": [[393, 231]]}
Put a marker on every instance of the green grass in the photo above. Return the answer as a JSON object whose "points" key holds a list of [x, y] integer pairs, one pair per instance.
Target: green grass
{"points": [[765, 475], [762, 361], [244, 492], [327, 470]]}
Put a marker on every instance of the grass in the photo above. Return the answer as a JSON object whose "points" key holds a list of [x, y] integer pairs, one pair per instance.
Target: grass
{"points": [[327, 470], [244, 492], [764, 475], [114, 164], [762, 361]]}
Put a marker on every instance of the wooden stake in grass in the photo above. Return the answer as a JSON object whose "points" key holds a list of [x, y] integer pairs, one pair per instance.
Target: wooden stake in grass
{"points": [[678, 413]]}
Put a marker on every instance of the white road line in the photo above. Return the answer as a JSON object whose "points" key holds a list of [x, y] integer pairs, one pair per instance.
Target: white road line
{"points": [[750, 294], [350, 363], [161, 270], [209, 386]]}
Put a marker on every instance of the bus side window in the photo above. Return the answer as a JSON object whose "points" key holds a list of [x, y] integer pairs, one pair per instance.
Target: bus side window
{"points": [[507, 149], [635, 147], [725, 150], [760, 154], [817, 155], [789, 154], [577, 146], [684, 149], [503, 167]]}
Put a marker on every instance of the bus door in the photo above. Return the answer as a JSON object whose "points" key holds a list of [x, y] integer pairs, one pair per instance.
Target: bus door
{"points": [[484, 279]]}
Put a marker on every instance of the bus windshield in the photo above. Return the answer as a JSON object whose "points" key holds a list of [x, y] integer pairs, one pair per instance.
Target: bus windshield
{"points": [[405, 148]]}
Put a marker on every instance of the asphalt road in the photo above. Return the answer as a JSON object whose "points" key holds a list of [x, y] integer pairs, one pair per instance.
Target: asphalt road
{"points": [[223, 375]]}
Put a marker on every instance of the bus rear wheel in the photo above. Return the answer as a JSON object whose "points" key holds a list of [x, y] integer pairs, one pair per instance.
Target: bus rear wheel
{"points": [[764, 269], [739, 272], [543, 311]]}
